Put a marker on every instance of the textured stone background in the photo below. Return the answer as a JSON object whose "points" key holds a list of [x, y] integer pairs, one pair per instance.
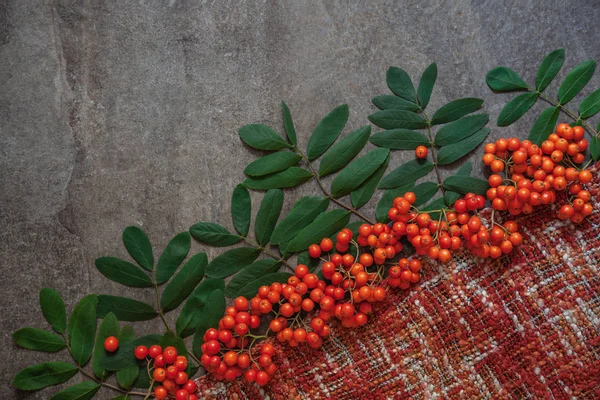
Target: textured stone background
{"points": [[119, 113]]}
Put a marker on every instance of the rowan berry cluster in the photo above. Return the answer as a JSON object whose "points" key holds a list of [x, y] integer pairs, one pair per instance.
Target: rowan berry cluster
{"points": [[437, 238], [526, 175], [167, 369], [301, 310]]}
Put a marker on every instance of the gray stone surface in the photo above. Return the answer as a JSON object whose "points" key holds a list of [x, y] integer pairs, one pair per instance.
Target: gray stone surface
{"points": [[119, 113]]}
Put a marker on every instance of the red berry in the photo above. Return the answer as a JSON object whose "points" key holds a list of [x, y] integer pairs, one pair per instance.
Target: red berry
{"points": [[170, 354], [154, 351], [421, 152], [314, 250], [262, 378], [182, 395], [141, 352], [111, 344], [160, 393]]}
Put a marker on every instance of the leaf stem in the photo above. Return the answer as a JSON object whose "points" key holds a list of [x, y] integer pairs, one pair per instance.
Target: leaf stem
{"points": [[433, 153], [326, 193], [570, 113], [159, 310]]}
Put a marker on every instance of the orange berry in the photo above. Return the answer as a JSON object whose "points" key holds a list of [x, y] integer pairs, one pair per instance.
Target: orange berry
{"points": [[421, 152]]}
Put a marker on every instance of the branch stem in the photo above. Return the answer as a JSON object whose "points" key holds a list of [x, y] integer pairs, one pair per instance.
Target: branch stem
{"points": [[433, 152], [326, 193], [570, 113]]}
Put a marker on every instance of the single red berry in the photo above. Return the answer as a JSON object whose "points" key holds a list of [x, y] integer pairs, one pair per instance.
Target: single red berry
{"points": [[182, 395], [141, 352], [314, 250], [262, 378], [421, 152], [170, 354], [154, 351], [160, 393], [190, 387], [111, 344]]}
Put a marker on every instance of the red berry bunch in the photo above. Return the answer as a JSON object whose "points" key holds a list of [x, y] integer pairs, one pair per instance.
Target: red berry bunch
{"points": [[301, 310], [437, 238], [168, 371], [526, 175]]}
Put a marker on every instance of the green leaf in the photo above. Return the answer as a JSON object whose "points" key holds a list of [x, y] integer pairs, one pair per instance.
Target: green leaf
{"points": [[590, 105], [502, 79], [288, 123], [262, 137], [399, 82], [327, 131], [552, 63], [81, 391], [341, 153], [241, 209], [231, 262], [53, 309], [91, 299], [251, 288], [406, 173], [43, 375], [81, 337], [124, 357], [291, 177], [393, 119], [460, 129], [184, 282], [108, 327], [357, 172], [575, 81], [126, 334], [384, 204], [37, 339], [389, 102], [138, 246], [451, 153], [172, 257], [124, 308], [254, 272], [595, 148], [455, 109], [426, 85], [450, 197], [271, 163], [127, 376], [208, 317], [516, 108], [213, 234], [544, 125], [188, 319], [267, 215], [465, 184], [123, 272], [143, 381], [362, 194], [305, 210], [465, 170], [399, 139], [424, 192], [324, 225]]}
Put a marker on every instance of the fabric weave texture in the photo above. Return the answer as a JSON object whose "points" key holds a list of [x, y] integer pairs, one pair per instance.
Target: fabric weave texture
{"points": [[524, 326]]}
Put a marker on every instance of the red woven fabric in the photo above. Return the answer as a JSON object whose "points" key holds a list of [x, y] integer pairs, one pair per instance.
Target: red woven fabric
{"points": [[525, 326]]}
